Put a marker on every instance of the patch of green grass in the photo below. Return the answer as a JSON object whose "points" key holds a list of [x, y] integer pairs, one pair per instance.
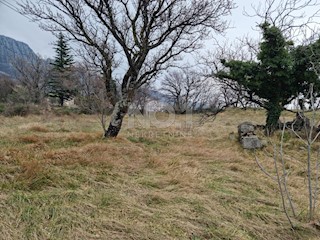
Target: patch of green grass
{"points": [[198, 207], [35, 183], [219, 185], [72, 141], [248, 214], [40, 215], [71, 196], [61, 111], [107, 199], [72, 185], [40, 182], [148, 183], [154, 199], [143, 140]]}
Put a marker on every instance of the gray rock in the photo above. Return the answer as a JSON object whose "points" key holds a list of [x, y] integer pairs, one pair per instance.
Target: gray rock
{"points": [[299, 123], [247, 136], [251, 142], [246, 129]]}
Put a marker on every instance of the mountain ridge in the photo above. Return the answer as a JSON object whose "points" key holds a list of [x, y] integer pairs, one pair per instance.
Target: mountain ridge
{"points": [[11, 49]]}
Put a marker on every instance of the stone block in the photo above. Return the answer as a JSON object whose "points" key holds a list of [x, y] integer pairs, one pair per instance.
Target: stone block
{"points": [[251, 142]]}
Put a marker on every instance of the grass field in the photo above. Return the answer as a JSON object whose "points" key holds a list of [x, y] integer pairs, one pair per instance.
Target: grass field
{"points": [[60, 180]]}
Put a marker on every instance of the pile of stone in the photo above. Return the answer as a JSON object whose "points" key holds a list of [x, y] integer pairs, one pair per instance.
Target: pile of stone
{"points": [[247, 136], [299, 123]]}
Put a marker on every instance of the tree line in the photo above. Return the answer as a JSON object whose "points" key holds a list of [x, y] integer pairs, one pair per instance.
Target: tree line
{"points": [[39, 81], [125, 45]]}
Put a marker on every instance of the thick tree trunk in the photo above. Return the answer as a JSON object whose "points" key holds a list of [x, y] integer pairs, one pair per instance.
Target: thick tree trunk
{"points": [[110, 84], [119, 111], [273, 114]]}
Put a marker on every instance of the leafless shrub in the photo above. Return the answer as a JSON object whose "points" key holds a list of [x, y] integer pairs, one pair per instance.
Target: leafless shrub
{"points": [[32, 75], [307, 135], [6, 88]]}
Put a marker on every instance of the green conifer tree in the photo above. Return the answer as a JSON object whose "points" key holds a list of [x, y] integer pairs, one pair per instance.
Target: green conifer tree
{"points": [[279, 74], [60, 85]]}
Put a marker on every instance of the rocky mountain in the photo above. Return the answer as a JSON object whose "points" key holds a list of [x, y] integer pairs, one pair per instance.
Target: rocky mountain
{"points": [[11, 49]]}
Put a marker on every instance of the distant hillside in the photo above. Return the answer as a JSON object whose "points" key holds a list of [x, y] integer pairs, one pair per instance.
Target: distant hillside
{"points": [[11, 49]]}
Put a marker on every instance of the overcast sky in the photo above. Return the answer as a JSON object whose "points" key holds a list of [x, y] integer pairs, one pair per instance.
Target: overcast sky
{"points": [[13, 25]]}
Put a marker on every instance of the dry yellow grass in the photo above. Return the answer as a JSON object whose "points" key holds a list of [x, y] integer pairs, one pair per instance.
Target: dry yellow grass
{"points": [[60, 180]]}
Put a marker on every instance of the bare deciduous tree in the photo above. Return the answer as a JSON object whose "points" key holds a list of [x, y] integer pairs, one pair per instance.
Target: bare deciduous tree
{"points": [[92, 95], [6, 87], [227, 93], [104, 64], [32, 75], [287, 15], [148, 35], [141, 99], [186, 90]]}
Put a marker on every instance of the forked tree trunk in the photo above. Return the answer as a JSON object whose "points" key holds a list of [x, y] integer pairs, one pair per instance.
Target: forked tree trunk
{"points": [[119, 111]]}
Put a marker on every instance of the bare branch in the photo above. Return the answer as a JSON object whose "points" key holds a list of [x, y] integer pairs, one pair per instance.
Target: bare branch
{"points": [[288, 15]]}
